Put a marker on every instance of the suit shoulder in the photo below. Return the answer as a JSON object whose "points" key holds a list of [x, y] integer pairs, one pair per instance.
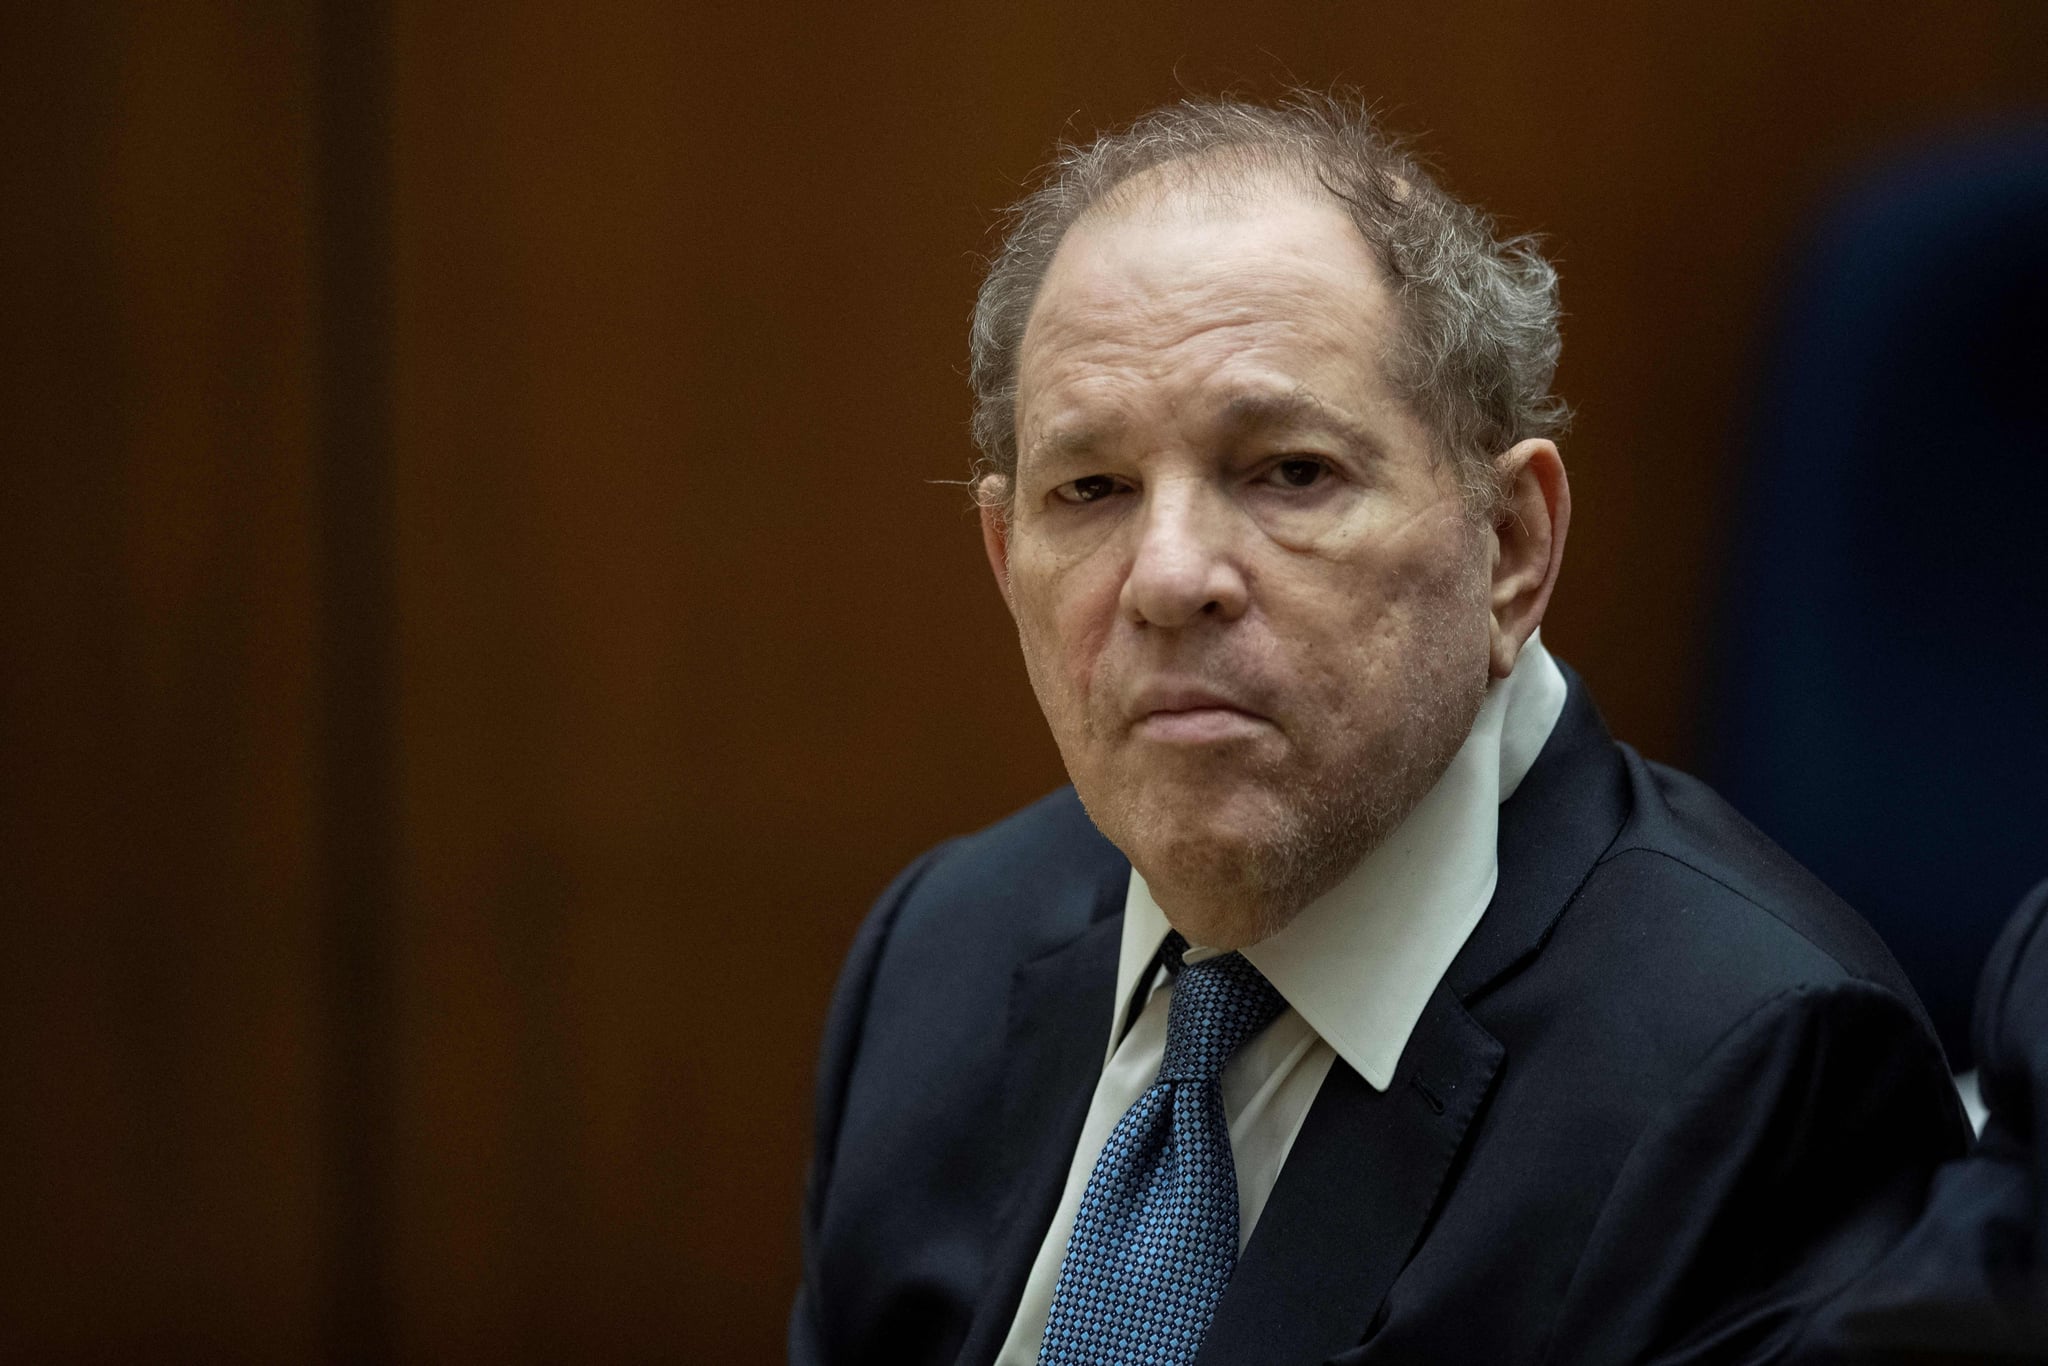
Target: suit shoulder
{"points": [[1692, 922], [1686, 823]]}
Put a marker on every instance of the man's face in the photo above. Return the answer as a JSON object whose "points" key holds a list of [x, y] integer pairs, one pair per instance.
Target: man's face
{"points": [[1251, 604]]}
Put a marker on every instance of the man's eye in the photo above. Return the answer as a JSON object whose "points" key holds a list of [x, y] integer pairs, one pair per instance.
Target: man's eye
{"points": [[1299, 472], [1087, 489]]}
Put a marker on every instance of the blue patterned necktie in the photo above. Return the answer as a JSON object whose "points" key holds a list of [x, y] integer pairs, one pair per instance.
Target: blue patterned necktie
{"points": [[1155, 1239]]}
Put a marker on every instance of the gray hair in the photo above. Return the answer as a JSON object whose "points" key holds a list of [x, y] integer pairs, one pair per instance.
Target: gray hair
{"points": [[1477, 343]]}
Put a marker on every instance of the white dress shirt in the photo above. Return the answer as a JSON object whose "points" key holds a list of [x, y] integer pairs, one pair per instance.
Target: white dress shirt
{"points": [[1356, 967]]}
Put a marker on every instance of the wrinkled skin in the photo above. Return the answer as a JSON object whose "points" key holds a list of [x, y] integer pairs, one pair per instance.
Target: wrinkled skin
{"points": [[1255, 606]]}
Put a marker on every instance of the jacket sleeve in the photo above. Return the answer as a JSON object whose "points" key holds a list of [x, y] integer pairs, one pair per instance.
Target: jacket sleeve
{"points": [[1798, 1153], [810, 1317], [1969, 1282]]}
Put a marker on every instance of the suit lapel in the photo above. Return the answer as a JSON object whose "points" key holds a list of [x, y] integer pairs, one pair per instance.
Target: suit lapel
{"points": [[1058, 1023], [1369, 1169], [1361, 1181]]}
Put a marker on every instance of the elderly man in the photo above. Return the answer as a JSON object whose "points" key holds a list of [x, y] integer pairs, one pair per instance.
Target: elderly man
{"points": [[1362, 999]]}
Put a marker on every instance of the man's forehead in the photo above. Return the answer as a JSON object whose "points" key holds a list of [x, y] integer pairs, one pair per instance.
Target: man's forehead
{"points": [[1254, 300], [1242, 409], [1227, 275]]}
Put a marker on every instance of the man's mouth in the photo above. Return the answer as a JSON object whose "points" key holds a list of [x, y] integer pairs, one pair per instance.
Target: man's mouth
{"points": [[1192, 713]]}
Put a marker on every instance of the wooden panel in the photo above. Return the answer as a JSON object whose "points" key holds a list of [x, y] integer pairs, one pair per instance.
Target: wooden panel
{"points": [[159, 1163]]}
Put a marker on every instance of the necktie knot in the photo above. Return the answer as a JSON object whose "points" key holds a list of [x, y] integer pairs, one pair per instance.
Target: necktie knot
{"points": [[1217, 1004]]}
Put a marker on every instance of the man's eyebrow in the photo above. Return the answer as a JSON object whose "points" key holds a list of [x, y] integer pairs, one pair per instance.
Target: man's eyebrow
{"points": [[1249, 412], [1069, 439]]}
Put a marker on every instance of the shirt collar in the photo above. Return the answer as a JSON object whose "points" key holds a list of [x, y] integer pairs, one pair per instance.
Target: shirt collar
{"points": [[1360, 962]]}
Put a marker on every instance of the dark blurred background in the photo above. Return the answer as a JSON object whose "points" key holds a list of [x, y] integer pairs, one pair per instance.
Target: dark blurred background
{"points": [[481, 620]]}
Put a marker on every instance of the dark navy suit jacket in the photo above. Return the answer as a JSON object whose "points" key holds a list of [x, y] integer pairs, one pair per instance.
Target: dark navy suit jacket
{"points": [[1670, 1098], [1969, 1282]]}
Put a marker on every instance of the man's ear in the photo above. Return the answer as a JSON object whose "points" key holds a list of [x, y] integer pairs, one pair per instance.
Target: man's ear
{"points": [[1528, 545], [992, 493]]}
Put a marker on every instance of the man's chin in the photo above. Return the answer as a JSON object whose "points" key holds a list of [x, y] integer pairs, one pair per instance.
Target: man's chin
{"points": [[1240, 858], [1195, 825], [1223, 893], [1227, 850]]}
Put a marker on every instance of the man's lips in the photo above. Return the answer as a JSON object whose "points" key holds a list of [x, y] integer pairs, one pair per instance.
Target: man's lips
{"points": [[1192, 713]]}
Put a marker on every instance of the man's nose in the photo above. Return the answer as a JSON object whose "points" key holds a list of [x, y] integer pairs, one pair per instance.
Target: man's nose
{"points": [[1185, 565]]}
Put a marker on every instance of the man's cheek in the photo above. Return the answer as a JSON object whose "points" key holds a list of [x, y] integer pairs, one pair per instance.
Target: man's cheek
{"points": [[1072, 631]]}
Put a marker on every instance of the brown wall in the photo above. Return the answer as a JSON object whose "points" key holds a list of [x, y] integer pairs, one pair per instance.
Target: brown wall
{"points": [[480, 623]]}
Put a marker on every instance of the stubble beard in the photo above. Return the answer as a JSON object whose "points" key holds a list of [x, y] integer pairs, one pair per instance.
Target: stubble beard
{"points": [[1320, 818]]}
